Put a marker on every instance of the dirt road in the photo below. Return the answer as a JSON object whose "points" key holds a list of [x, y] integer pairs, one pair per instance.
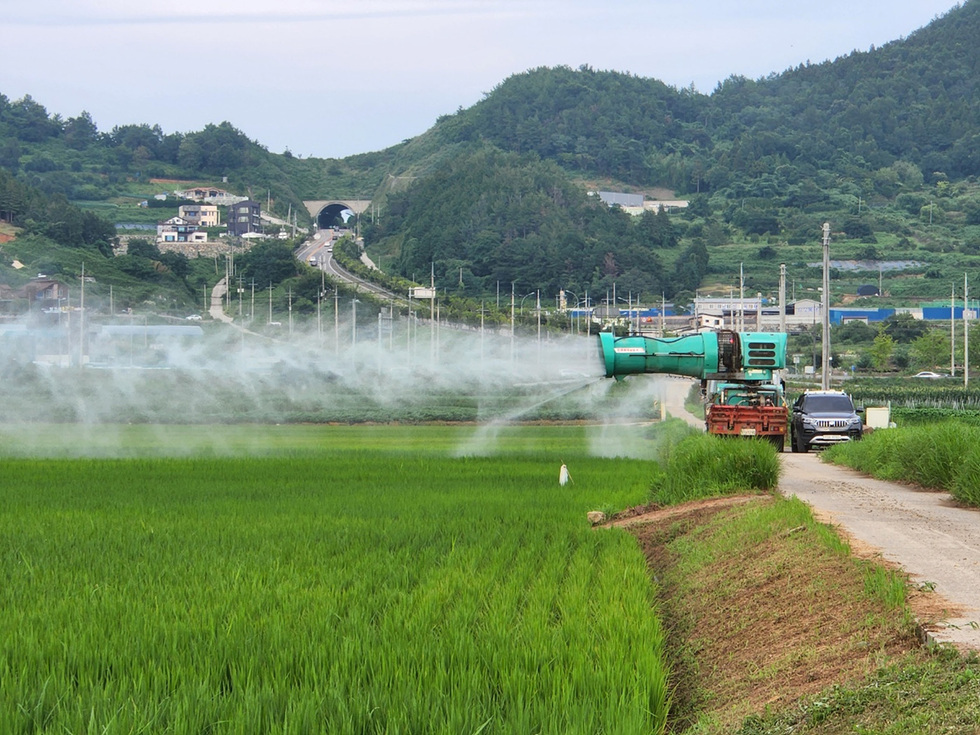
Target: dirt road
{"points": [[935, 541], [925, 533]]}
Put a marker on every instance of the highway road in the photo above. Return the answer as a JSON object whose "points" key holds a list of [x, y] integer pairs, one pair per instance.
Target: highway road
{"points": [[320, 246]]}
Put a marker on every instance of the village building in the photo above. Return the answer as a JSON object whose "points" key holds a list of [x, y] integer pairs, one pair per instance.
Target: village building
{"points": [[202, 215], [178, 229], [245, 218], [210, 195]]}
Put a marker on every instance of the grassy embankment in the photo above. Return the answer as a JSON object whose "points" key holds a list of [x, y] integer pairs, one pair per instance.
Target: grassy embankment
{"points": [[773, 626]]}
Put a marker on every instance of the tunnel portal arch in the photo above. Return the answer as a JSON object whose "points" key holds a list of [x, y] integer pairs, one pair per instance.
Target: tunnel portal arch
{"points": [[333, 215], [330, 212]]}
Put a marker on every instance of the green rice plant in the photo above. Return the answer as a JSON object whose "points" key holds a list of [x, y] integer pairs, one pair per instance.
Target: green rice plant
{"points": [[373, 583], [902, 393], [932, 415]]}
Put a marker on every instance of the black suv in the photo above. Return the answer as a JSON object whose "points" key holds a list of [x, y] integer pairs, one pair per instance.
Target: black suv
{"points": [[823, 417]]}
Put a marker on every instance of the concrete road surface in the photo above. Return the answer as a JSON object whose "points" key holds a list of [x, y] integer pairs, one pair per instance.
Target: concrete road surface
{"points": [[935, 541]]}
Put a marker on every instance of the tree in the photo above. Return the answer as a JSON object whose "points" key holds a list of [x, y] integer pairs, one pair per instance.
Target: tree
{"points": [[904, 328], [191, 155], [929, 350], [141, 157], [690, 268], [177, 263], [30, 121], [854, 332], [142, 248], [269, 262], [881, 351], [81, 132]]}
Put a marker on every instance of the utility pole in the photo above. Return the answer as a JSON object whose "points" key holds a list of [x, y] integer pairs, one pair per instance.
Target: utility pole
{"points": [[511, 321], [538, 309], [741, 298], [81, 322], [588, 315], [353, 309], [782, 298], [966, 335], [432, 314], [825, 361], [952, 332], [408, 329]]}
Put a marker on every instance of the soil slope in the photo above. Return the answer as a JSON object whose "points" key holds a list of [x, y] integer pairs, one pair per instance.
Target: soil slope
{"points": [[782, 619]]}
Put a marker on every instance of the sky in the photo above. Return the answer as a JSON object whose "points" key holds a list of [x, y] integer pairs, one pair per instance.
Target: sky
{"points": [[330, 79]]}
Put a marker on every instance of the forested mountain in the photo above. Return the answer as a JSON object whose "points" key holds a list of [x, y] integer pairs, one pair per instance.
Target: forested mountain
{"points": [[884, 143], [878, 141], [914, 99], [495, 217]]}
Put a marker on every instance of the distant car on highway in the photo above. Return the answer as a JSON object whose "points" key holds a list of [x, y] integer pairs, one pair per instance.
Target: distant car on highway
{"points": [[193, 318], [928, 374]]}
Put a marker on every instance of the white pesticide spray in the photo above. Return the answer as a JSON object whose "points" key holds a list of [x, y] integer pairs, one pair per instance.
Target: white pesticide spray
{"points": [[226, 375]]}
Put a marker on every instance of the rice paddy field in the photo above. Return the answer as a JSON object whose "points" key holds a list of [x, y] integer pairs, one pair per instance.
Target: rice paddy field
{"points": [[335, 579]]}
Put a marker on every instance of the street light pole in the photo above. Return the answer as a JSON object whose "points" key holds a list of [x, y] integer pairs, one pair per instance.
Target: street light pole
{"points": [[538, 309], [336, 320], [353, 307], [966, 334], [511, 321]]}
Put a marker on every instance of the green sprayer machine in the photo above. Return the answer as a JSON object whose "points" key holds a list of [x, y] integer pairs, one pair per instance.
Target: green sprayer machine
{"points": [[737, 370]]}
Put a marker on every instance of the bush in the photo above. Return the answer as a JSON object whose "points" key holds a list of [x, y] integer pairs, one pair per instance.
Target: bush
{"points": [[702, 466], [966, 488], [938, 456]]}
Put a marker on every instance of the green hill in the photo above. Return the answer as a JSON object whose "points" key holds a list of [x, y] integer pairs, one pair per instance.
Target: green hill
{"points": [[884, 144]]}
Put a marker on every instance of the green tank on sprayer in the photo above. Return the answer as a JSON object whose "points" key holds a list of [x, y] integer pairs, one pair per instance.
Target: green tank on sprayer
{"points": [[737, 371]]}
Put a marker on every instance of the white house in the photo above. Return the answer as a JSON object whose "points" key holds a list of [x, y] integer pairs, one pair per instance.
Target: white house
{"points": [[178, 229]]}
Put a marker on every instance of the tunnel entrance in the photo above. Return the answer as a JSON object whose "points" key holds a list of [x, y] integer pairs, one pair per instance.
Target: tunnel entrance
{"points": [[333, 215]]}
